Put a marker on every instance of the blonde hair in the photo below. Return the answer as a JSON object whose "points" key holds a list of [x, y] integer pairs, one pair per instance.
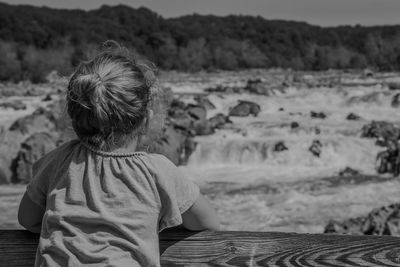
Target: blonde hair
{"points": [[107, 96]]}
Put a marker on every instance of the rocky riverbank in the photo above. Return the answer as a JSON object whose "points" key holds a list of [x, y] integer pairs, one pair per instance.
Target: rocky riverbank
{"points": [[273, 150]]}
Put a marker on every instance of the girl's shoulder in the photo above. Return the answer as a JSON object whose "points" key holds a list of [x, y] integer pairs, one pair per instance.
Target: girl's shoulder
{"points": [[56, 154], [160, 162]]}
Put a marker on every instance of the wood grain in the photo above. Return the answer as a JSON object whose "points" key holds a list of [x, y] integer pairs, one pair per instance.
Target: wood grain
{"points": [[183, 248]]}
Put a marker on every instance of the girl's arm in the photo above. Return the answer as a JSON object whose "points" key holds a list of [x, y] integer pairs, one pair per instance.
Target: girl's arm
{"points": [[30, 214], [201, 216]]}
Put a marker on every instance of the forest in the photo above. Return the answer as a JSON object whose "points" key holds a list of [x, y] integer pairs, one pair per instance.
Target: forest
{"points": [[37, 40]]}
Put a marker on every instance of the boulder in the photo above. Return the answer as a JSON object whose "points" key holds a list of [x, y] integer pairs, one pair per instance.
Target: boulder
{"points": [[380, 129], [367, 73], [50, 120], [202, 128], [172, 135], [47, 98], [347, 172], [218, 121], [388, 161], [317, 115], [169, 130], [15, 104], [353, 117], [316, 148], [245, 108], [263, 87], [196, 112], [173, 143], [224, 89], [205, 102], [395, 101], [394, 85], [381, 221], [294, 125], [190, 118], [39, 121], [32, 149], [280, 146]]}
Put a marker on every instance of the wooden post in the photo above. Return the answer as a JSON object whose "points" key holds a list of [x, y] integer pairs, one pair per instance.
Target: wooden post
{"points": [[183, 248]]}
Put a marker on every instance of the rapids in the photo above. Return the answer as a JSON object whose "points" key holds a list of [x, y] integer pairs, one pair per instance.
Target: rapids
{"points": [[244, 151]]}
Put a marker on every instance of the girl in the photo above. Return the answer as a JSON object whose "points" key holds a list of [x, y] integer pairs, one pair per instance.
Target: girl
{"points": [[96, 201]]}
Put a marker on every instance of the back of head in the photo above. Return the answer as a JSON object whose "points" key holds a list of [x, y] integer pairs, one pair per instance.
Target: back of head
{"points": [[107, 97]]}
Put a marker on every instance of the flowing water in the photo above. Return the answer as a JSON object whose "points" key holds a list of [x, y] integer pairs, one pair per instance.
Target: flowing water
{"points": [[232, 163], [254, 186]]}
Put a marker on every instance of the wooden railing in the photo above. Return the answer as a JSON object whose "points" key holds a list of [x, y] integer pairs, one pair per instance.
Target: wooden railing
{"points": [[183, 248]]}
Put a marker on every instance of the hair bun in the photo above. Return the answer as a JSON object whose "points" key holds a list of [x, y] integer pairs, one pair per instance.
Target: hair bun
{"points": [[108, 95]]}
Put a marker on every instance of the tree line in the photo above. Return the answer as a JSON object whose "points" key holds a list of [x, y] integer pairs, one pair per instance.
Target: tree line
{"points": [[36, 40]]}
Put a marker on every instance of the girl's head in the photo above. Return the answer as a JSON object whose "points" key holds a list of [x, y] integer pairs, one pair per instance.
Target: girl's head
{"points": [[108, 97]]}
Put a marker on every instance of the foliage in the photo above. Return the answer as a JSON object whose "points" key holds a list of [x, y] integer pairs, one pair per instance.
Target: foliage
{"points": [[35, 40]]}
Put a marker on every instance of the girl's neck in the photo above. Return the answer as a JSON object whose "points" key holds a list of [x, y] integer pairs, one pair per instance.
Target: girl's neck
{"points": [[127, 147]]}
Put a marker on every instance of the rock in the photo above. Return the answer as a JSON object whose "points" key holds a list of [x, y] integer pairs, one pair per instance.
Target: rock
{"points": [[205, 102], [196, 112], [190, 118], [348, 172], [280, 146], [380, 221], [353, 117], [350, 226], [317, 115], [175, 138], [395, 101], [388, 161], [218, 121], [225, 89], [316, 148], [170, 130], [202, 128], [15, 104], [380, 129], [294, 125], [47, 98], [245, 108], [394, 85], [263, 87], [48, 120], [32, 149], [39, 120], [178, 116], [367, 73], [281, 109], [170, 142]]}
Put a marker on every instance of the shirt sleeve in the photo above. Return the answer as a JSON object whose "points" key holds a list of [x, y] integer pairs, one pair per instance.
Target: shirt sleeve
{"points": [[177, 193], [37, 187]]}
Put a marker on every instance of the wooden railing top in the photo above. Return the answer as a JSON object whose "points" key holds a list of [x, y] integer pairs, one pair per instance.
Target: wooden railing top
{"points": [[183, 248]]}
